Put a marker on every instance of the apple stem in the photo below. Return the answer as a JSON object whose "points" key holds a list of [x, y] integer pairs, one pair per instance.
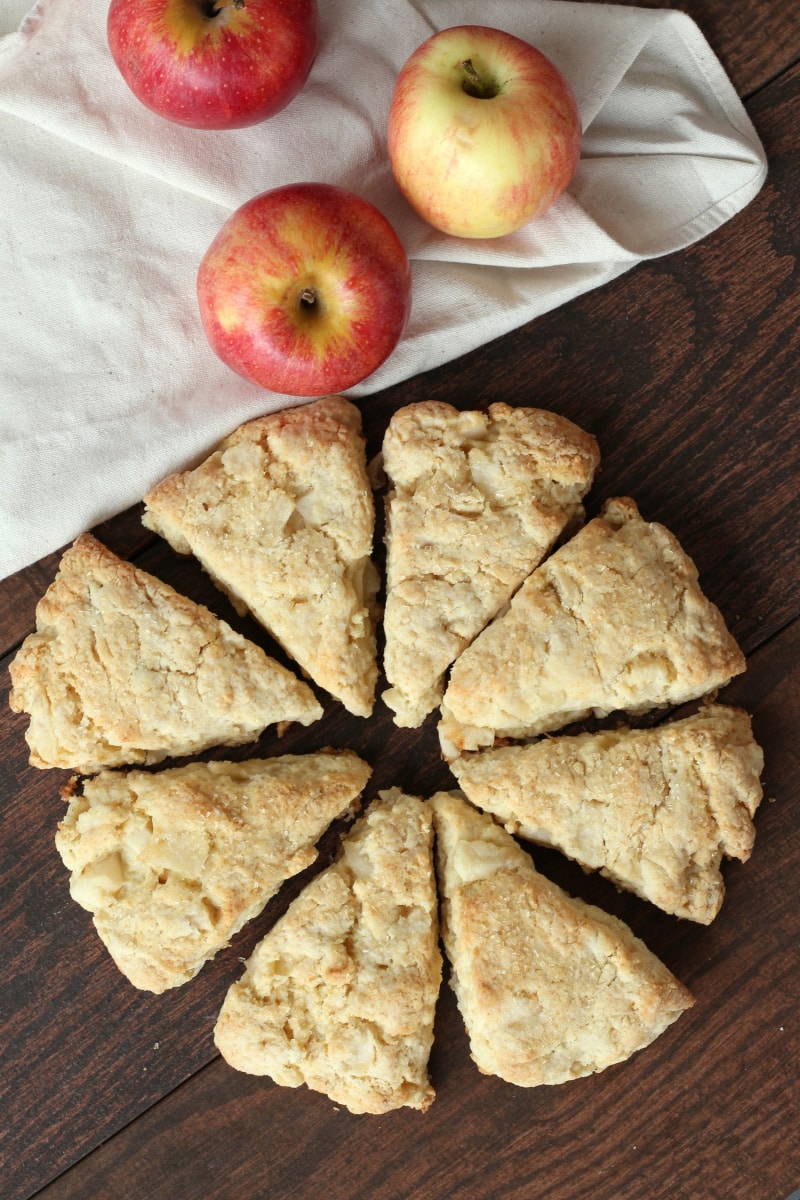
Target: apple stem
{"points": [[474, 85], [213, 8], [308, 298]]}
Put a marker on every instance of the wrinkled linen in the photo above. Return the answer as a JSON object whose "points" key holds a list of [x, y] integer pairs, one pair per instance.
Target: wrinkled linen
{"points": [[108, 382]]}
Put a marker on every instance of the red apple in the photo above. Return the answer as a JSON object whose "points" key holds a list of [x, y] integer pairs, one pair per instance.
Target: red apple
{"points": [[214, 64], [305, 290], [484, 134]]}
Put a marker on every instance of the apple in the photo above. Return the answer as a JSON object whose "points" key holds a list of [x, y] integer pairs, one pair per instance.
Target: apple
{"points": [[214, 64], [305, 290], [484, 133]]}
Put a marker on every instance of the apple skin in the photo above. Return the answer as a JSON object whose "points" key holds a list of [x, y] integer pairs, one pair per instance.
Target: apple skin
{"points": [[305, 290], [214, 64], [475, 166]]}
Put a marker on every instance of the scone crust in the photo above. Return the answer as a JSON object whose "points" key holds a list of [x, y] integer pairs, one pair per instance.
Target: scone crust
{"points": [[476, 501], [550, 988], [122, 669], [613, 620], [340, 994], [281, 516], [172, 864], [654, 810]]}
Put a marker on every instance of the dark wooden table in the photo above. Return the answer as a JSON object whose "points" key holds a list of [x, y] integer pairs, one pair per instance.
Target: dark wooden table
{"points": [[687, 370]]}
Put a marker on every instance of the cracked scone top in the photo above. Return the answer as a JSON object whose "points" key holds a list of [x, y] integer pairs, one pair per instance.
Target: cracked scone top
{"points": [[613, 620], [550, 988], [340, 994], [281, 516], [173, 864], [122, 669], [654, 810], [476, 501]]}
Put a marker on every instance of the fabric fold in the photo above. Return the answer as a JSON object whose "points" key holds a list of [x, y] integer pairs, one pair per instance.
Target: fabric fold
{"points": [[109, 383]]}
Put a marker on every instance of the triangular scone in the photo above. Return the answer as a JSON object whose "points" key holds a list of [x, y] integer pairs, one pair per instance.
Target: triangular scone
{"points": [[123, 669], [173, 864], [281, 516], [340, 994], [614, 619], [654, 810], [550, 988], [476, 501]]}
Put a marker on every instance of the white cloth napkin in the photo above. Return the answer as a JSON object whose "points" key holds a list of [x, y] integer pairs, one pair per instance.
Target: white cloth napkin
{"points": [[106, 210]]}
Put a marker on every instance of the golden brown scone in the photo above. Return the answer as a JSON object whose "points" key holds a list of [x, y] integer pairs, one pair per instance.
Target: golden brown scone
{"points": [[654, 810], [173, 864], [281, 516], [476, 501], [615, 619], [550, 988], [122, 669], [340, 994]]}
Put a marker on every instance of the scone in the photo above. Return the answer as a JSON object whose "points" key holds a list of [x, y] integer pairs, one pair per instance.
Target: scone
{"points": [[281, 516], [340, 994], [173, 864], [614, 620], [654, 810], [122, 669], [476, 501], [550, 988]]}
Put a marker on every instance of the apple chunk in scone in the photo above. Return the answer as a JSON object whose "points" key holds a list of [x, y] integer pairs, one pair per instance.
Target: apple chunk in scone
{"points": [[281, 516], [613, 620], [550, 988], [340, 994], [654, 810], [122, 669], [475, 502], [172, 864]]}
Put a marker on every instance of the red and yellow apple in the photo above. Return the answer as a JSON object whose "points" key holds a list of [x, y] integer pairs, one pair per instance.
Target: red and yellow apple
{"points": [[484, 133], [305, 290], [214, 64]]}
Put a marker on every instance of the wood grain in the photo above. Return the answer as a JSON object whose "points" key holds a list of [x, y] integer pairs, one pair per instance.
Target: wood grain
{"points": [[754, 42], [686, 371], [20, 593], [711, 1097]]}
